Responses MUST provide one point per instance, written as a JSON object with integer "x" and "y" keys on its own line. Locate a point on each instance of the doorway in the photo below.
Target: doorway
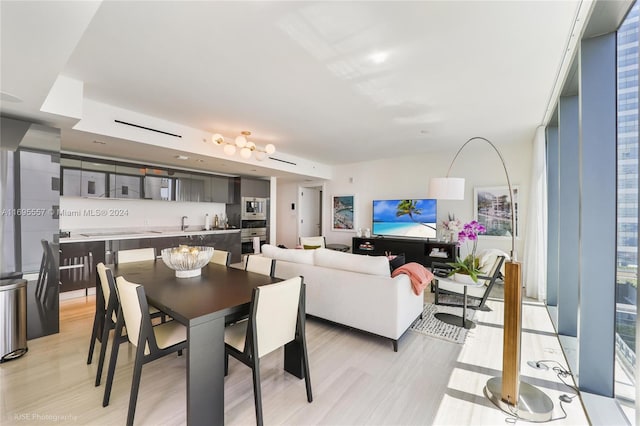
{"x": 310, "y": 211}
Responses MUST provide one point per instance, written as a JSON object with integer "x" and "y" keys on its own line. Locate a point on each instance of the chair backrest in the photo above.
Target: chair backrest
{"x": 135, "y": 255}
{"x": 493, "y": 270}
{"x": 221, "y": 257}
{"x": 260, "y": 264}
{"x": 313, "y": 242}
{"x": 104, "y": 282}
{"x": 109, "y": 293}
{"x": 131, "y": 309}
{"x": 274, "y": 315}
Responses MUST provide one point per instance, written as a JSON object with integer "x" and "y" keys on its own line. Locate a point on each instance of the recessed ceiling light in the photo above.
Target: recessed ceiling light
{"x": 199, "y": 160}
{"x": 182, "y": 157}
{"x": 378, "y": 57}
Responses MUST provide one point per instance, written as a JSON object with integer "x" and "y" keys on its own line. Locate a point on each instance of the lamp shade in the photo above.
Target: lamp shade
{"x": 446, "y": 188}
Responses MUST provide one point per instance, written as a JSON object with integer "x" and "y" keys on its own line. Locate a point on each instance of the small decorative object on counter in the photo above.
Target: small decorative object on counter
{"x": 207, "y": 222}
{"x": 187, "y": 261}
{"x": 216, "y": 222}
{"x": 367, "y": 233}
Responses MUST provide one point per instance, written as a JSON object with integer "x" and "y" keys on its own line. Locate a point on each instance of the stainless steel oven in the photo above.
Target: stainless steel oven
{"x": 247, "y": 234}
{"x": 254, "y": 208}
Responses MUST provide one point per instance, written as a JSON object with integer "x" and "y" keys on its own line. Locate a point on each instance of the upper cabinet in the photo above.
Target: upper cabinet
{"x": 88, "y": 177}
{"x": 255, "y": 188}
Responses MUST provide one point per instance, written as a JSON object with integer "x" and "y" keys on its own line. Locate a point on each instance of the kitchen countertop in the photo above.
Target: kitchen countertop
{"x": 129, "y": 234}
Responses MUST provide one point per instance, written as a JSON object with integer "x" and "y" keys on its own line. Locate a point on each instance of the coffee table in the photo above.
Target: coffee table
{"x": 455, "y": 319}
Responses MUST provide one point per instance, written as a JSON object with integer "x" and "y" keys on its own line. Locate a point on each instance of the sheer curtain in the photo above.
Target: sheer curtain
{"x": 535, "y": 250}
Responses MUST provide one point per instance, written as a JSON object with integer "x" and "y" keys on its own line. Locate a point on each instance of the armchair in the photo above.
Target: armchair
{"x": 490, "y": 264}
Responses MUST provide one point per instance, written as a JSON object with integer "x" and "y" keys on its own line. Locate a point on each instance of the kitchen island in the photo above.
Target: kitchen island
{"x": 81, "y": 250}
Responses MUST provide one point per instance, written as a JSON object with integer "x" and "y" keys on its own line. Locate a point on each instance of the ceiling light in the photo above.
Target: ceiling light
{"x": 182, "y": 157}
{"x": 245, "y": 146}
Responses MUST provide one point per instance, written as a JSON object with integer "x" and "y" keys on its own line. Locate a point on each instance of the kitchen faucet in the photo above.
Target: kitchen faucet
{"x": 184, "y": 226}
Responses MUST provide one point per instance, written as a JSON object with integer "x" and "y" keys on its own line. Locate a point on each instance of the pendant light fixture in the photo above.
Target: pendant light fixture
{"x": 245, "y": 146}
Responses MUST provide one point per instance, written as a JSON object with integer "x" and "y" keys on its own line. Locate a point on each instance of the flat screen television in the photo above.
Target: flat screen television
{"x": 405, "y": 218}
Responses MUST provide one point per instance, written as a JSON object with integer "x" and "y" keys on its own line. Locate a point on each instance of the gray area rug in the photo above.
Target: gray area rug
{"x": 433, "y": 327}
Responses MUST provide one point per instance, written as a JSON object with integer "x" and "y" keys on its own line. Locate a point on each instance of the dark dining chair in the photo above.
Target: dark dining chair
{"x": 277, "y": 317}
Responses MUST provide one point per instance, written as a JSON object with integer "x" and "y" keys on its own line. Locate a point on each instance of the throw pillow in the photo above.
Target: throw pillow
{"x": 395, "y": 261}
{"x": 310, "y": 247}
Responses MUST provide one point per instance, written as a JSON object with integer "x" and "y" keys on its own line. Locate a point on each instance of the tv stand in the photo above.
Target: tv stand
{"x": 423, "y": 251}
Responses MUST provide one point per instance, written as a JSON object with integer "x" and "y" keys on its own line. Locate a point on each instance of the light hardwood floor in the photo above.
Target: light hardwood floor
{"x": 356, "y": 378}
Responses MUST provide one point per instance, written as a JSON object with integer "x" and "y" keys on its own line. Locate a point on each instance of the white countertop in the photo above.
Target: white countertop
{"x": 130, "y": 234}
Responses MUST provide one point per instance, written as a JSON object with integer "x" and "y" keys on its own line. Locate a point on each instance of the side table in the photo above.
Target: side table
{"x": 455, "y": 319}
{"x": 338, "y": 247}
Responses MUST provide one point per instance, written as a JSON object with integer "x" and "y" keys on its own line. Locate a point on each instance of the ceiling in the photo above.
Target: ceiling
{"x": 336, "y": 82}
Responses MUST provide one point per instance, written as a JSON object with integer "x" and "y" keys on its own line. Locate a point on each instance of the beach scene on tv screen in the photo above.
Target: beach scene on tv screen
{"x": 405, "y": 218}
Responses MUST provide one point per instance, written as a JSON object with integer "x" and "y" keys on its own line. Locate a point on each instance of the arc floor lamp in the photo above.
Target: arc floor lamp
{"x": 508, "y": 392}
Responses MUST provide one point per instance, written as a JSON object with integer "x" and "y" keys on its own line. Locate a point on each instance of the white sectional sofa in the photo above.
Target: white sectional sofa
{"x": 351, "y": 289}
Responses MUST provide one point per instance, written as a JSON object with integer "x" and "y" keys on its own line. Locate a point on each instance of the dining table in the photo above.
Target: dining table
{"x": 201, "y": 303}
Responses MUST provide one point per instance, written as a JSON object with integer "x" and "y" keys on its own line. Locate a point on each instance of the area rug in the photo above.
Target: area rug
{"x": 433, "y": 327}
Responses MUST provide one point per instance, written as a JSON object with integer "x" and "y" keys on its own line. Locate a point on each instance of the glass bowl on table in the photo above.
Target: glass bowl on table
{"x": 186, "y": 260}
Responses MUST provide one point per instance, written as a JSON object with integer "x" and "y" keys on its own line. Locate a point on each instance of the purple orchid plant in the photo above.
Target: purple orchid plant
{"x": 470, "y": 264}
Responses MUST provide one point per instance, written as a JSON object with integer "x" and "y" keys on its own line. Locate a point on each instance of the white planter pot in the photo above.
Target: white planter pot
{"x": 463, "y": 278}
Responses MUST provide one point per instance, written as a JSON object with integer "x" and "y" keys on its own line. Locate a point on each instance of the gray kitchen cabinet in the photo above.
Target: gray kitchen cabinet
{"x": 78, "y": 264}
{"x": 255, "y": 188}
{"x": 222, "y": 190}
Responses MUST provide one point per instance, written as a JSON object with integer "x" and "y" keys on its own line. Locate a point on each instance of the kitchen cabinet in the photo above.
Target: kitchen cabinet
{"x": 78, "y": 264}
{"x": 126, "y": 182}
{"x": 255, "y": 188}
{"x": 228, "y": 241}
{"x": 222, "y": 190}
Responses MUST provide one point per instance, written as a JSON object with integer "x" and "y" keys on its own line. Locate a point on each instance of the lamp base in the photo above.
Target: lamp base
{"x": 533, "y": 404}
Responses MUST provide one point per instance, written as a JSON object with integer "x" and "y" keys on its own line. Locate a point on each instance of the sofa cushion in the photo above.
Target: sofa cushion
{"x": 288, "y": 255}
{"x": 371, "y": 265}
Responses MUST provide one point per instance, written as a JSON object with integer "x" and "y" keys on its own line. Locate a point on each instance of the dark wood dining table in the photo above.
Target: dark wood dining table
{"x": 201, "y": 303}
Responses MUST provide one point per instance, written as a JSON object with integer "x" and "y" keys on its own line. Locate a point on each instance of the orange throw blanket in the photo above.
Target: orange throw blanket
{"x": 419, "y": 275}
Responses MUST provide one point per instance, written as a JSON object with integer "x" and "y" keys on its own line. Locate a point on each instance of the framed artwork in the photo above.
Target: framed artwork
{"x": 492, "y": 208}
{"x": 342, "y": 213}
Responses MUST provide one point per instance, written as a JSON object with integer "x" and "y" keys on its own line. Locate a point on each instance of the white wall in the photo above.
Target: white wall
{"x": 77, "y": 213}
{"x": 408, "y": 177}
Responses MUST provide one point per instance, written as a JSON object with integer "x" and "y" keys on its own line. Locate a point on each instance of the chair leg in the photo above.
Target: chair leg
{"x": 112, "y": 360}
{"x": 305, "y": 365}
{"x": 256, "y": 390}
{"x": 94, "y": 336}
{"x": 135, "y": 385}
{"x": 103, "y": 350}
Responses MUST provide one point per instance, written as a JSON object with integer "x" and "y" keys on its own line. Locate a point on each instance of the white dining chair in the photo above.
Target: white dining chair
{"x": 277, "y": 317}
{"x": 151, "y": 342}
{"x": 135, "y": 255}
{"x": 105, "y": 318}
{"x": 313, "y": 242}
{"x": 221, "y": 257}
{"x": 260, "y": 264}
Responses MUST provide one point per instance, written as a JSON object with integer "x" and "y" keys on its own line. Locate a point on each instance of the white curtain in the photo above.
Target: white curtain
{"x": 535, "y": 250}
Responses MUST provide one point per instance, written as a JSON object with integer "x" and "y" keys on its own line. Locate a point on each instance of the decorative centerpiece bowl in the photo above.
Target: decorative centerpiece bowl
{"x": 187, "y": 261}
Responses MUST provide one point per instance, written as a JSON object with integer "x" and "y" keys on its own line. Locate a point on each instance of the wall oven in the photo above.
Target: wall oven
{"x": 254, "y": 208}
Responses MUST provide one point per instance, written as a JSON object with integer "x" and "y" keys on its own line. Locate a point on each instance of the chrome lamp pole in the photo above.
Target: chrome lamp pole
{"x": 507, "y": 392}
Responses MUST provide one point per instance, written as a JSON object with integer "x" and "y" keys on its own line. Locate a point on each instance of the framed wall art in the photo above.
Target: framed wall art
{"x": 343, "y": 213}
{"x": 492, "y": 208}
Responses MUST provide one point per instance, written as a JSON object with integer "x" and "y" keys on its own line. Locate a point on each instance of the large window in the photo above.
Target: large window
{"x": 627, "y": 237}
